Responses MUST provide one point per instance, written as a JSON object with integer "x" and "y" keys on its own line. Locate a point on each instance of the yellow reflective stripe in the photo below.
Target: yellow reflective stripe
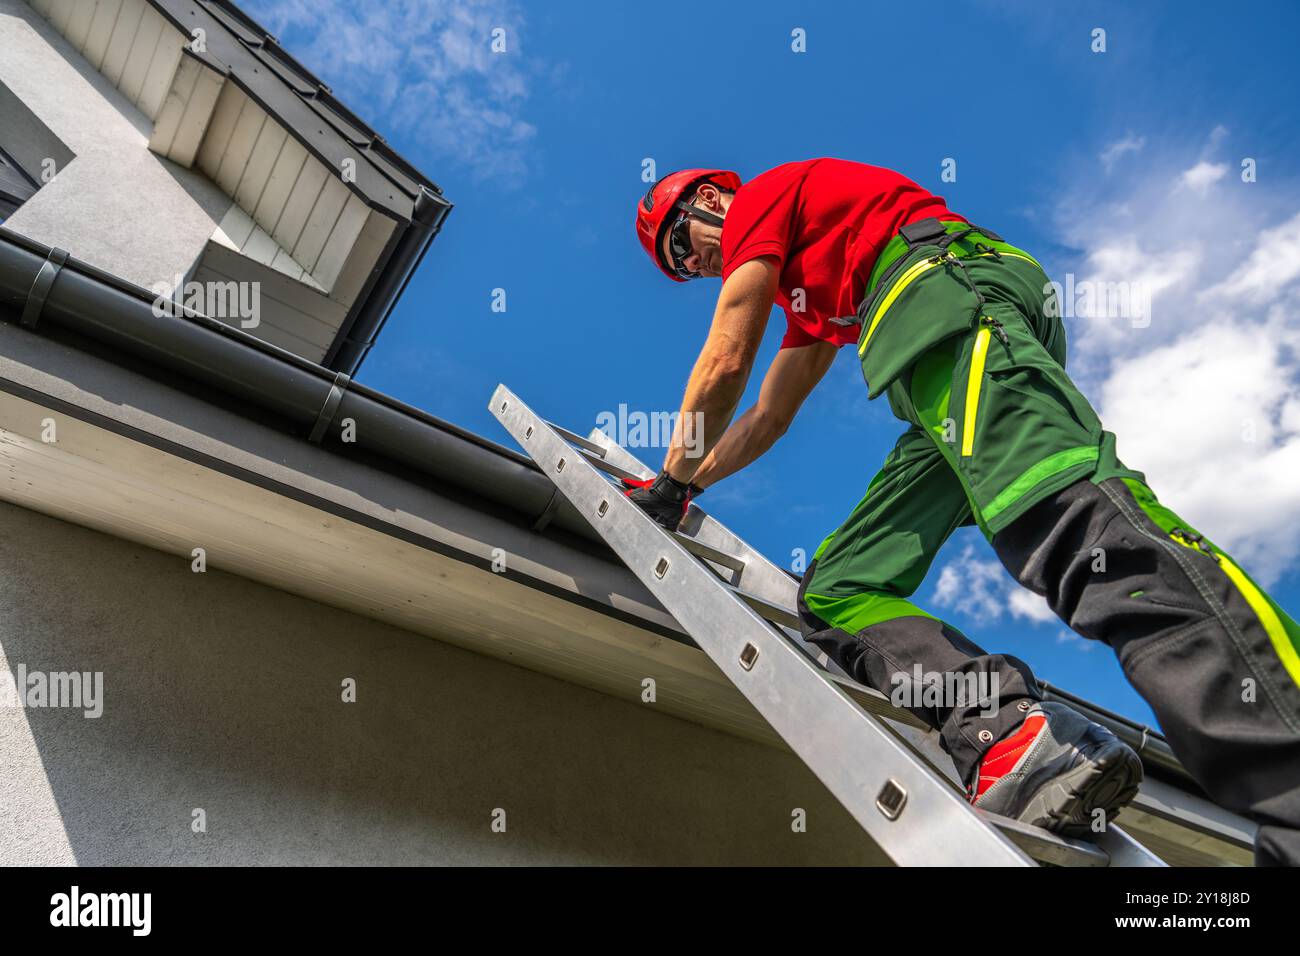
{"x": 915, "y": 270}
{"x": 973, "y": 383}
{"x": 1267, "y": 616}
{"x": 1273, "y": 626}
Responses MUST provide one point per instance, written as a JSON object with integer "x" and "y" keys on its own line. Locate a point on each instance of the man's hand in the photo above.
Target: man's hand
{"x": 662, "y": 497}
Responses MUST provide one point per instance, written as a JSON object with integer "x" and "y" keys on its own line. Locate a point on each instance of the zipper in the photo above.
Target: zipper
{"x": 1273, "y": 626}
{"x": 906, "y": 279}
{"x": 975, "y": 380}
{"x": 915, "y": 271}
{"x": 1013, "y": 255}
{"x": 1193, "y": 540}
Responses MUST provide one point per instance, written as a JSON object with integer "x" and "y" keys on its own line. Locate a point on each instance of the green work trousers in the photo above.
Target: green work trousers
{"x": 968, "y": 347}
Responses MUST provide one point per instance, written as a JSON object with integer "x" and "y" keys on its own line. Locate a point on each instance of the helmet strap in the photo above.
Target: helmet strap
{"x": 703, "y": 215}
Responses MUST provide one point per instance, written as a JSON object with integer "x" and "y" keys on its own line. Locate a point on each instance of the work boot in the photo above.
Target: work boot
{"x": 1055, "y": 769}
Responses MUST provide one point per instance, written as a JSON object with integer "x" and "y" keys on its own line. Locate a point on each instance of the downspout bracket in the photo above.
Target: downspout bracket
{"x": 548, "y": 512}
{"x": 41, "y": 286}
{"x": 330, "y": 407}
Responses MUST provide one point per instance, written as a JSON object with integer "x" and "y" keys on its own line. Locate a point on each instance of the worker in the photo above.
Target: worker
{"x": 960, "y": 331}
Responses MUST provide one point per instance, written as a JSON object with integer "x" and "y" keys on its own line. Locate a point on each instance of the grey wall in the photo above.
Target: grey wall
{"x": 26, "y": 139}
{"x": 96, "y": 205}
{"x": 224, "y": 694}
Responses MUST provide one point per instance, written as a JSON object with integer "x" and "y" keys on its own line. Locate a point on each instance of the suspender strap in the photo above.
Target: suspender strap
{"x": 929, "y": 231}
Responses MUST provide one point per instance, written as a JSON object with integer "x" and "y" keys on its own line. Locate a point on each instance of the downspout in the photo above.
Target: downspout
{"x": 358, "y": 334}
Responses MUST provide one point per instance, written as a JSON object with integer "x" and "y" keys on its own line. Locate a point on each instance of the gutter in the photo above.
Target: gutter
{"x": 46, "y": 287}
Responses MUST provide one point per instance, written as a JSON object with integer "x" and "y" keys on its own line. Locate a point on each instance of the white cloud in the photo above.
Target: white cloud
{"x": 1270, "y": 268}
{"x": 1213, "y": 419}
{"x": 982, "y": 591}
{"x": 972, "y": 587}
{"x": 1205, "y": 399}
{"x": 1070, "y": 639}
{"x": 424, "y": 66}
{"x": 1118, "y": 149}
{"x": 1028, "y": 605}
{"x": 1142, "y": 275}
{"x": 1202, "y": 176}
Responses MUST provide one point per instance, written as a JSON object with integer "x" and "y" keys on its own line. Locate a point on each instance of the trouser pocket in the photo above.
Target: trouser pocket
{"x": 929, "y": 300}
{"x": 1018, "y": 427}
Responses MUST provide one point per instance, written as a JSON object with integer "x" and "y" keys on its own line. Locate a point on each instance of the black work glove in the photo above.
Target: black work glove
{"x": 662, "y": 497}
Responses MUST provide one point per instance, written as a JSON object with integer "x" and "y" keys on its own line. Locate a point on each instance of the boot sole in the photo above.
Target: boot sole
{"x": 1107, "y": 781}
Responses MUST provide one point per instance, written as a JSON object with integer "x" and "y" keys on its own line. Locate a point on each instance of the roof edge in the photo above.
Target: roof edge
{"x": 255, "y": 62}
{"x": 47, "y": 286}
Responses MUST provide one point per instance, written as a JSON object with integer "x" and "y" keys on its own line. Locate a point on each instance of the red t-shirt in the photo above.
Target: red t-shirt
{"x": 826, "y": 221}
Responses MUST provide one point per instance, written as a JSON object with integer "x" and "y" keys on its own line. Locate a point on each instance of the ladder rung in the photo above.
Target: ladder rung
{"x": 1048, "y": 847}
{"x": 606, "y": 467}
{"x": 578, "y": 440}
{"x": 1124, "y": 850}
{"x": 695, "y": 546}
{"x": 766, "y": 609}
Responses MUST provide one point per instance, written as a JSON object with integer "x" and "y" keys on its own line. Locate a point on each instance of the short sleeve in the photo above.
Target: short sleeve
{"x": 796, "y": 336}
{"x": 761, "y": 219}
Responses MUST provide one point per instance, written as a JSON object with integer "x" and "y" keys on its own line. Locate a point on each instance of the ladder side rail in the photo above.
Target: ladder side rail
{"x": 772, "y": 586}
{"x": 910, "y": 812}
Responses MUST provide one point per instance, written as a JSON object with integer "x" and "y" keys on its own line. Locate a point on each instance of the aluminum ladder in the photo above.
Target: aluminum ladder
{"x": 886, "y": 769}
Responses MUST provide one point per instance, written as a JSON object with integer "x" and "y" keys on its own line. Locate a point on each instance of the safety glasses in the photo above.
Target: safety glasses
{"x": 679, "y": 244}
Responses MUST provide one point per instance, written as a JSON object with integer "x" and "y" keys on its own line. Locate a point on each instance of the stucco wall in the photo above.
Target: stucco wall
{"x": 224, "y": 695}
{"x": 115, "y": 204}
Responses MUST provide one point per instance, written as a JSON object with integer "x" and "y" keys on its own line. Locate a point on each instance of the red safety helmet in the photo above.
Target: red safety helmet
{"x": 666, "y": 199}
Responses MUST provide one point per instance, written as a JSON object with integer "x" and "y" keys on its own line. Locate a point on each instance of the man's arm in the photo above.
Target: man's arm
{"x": 792, "y": 376}
{"x": 721, "y": 372}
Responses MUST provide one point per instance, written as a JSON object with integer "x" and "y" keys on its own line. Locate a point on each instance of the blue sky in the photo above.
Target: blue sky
{"x": 1123, "y": 165}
